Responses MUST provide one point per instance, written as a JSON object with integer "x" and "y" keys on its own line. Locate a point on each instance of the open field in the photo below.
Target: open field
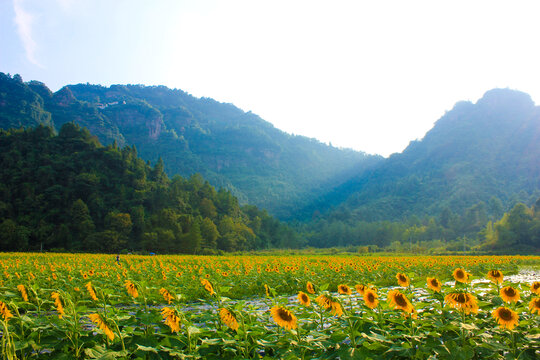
{"x": 90, "y": 306}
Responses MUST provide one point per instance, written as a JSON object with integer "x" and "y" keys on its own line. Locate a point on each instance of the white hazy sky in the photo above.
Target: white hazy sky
{"x": 368, "y": 75}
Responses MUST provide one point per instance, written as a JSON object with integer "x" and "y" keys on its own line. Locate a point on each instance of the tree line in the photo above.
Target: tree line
{"x": 67, "y": 192}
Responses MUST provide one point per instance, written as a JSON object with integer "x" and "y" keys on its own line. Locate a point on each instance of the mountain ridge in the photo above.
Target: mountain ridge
{"x": 231, "y": 148}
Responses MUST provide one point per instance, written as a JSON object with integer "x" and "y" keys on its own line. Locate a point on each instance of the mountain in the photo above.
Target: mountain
{"x": 68, "y": 192}
{"x": 474, "y": 153}
{"x": 229, "y": 147}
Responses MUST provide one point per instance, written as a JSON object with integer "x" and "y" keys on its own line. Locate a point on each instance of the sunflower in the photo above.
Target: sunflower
{"x": 102, "y": 324}
{"x": 228, "y": 318}
{"x": 370, "y": 298}
{"x": 434, "y": 284}
{"x": 509, "y": 294}
{"x": 360, "y": 289}
{"x": 172, "y": 320}
{"x": 344, "y": 289}
{"x": 23, "y": 292}
{"x": 310, "y": 288}
{"x": 304, "y": 299}
{"x": 462, "y": 301}
{"x": 283, "y": 317}
{"x": 4, "y": 311}
{"x": 507, "y": 318}
{"x": 399, "y": 301}
{"x": 413, "y": 314}
{"x": 496, "y": 276}
{"x": 208, "y": 286}
{"x": 91, "y": 291}
{"x": 58, "y": 304}
{"x": 535, "y": 287}
{"x": 131, "y": 289}
{"x": 266, "y": 290}
{"x": 328, "y": 303}
{"x": 166, "y": 295}
{"x": 403, "y": 280}
{"x": 534, "y": 305}
{"x": 461, "y": 275}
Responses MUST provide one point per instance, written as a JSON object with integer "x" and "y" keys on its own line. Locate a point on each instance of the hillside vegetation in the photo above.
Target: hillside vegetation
{"x": 230, "y": 148}
{"x": 68, "y": 192}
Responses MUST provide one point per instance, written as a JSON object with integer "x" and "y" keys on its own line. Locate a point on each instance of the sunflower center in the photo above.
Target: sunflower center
{"x": 505, "y": 314}
{"x": 510, "y": 292}
{"x": 402, "y": 278}
{"x": 304, "y": 298}
{"x": 461, "y": 298}
{"x": 434, "y": 282}
{"x": 460, "y": 274}
{"x": 370, "y": 297}
{"x": 284, "y": 314}
{"x": 400, "y": 300}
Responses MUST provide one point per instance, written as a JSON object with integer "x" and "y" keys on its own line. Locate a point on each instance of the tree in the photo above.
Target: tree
{"x": 209, "y": 233}
{"x": 81, "y": 222}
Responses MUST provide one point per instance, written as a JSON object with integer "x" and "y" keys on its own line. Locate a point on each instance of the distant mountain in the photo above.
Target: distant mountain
{"x": 231, "y": 148}
{"x": 474, "y": 154}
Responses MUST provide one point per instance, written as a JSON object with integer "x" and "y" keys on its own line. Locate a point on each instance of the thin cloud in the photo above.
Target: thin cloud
{"x": 24, "y": 20}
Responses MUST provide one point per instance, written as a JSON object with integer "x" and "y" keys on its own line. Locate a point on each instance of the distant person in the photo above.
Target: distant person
{"x": 118, "y": 259}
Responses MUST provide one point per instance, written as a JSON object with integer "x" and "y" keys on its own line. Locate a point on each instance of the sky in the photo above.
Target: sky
{"x": 366, "y": 75}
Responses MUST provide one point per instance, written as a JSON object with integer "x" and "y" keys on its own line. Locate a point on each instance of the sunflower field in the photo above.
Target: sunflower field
{"x": 82, "y": 306}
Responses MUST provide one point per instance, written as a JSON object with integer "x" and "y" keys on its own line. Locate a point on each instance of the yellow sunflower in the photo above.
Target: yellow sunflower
{"x": 413, "y": 314}
{"x": 208, "y": 286}
{"x": 461, "y": 275}
{"x": 535, "y": 287}
{"x": 172, "y": 320}
{"x": 370, "y": 298}
{"x": 228, "y": 319}
{"x": 310, "y": 288}
{"x": 166, "y": 295}
{"x": 344, "y": 289}
{"x": 399, "y": 301}
{"x": 4, "y": 311}
{"x": 102, "y": 325}
{"x": 360, "y": 289}
{"x": 266, "y": 290}
{"x": 91, "y": 291}
{"x": 507, "y": 318}
{"x": 496, "y": 276}
{"x": 131, "y": 288}
{"x": 23, "y": 292}
{"x": 58, "y": 304}
{"x": 509, "y": 294}
{"x": 534, "y": 305}
{"x": 403, "y": 280}
{"x": 434, "y": 284}
{"x": 462, "y": 301}
{"x": 283, "y": 317}
{"x": 304, "y": 299}
{"x": 328, "y": 303}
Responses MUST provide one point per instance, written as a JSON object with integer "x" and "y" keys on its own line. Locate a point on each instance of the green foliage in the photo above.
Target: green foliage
{"x": 230, "y": 148}
{"x": 70, "y": 192}
{"x": 517, "y": 229}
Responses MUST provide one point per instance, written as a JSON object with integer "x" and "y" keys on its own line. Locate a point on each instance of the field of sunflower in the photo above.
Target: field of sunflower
{"x": 311, "y": 307}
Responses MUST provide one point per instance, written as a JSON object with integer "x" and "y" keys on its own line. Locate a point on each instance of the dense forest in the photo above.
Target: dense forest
{"x": 68, "y": 192}
{"x": 230, "y": 148}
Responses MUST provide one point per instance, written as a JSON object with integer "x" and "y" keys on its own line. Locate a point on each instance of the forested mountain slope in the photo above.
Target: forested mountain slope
{"x": 68, "y": 192}
{"x": 474, "y": 153}
{"x": 231, "y": 148}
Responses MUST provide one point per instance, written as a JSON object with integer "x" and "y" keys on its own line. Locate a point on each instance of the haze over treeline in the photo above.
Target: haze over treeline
{"x": 471, "y": 183}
